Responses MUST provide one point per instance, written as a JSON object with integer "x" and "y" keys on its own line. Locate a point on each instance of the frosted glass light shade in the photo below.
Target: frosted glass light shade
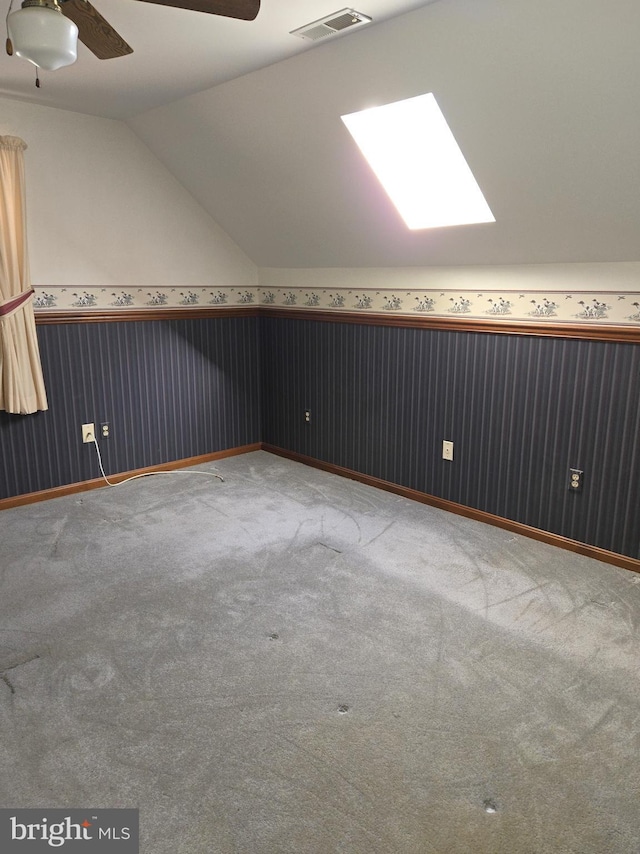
{"x": 43, "y": 36}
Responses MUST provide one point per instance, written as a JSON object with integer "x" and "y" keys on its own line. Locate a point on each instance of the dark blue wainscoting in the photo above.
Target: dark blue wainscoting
{"x": 521, "y": 410}
{"x": 170, "y": 389}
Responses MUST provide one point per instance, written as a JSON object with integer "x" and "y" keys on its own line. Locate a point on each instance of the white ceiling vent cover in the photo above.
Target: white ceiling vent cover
{"x": 330, "y": 25}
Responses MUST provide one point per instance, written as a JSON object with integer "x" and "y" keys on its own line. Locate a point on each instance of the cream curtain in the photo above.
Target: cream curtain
{"x": 21, "y": 382}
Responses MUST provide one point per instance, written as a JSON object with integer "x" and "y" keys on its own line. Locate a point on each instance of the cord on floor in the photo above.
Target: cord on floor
{"x": 147, "y": 473}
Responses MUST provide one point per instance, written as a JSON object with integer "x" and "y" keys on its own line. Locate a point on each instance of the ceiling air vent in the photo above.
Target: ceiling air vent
{"x": 330, "y": 25}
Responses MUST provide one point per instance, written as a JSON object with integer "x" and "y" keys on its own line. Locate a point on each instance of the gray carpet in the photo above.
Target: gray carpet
{"x": 293, "y": 663}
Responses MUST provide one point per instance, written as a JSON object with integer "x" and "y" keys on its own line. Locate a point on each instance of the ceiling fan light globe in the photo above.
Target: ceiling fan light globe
{"x": 43, "y": 36}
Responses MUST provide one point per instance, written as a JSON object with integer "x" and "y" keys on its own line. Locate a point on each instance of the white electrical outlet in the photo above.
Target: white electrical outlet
{"x": 447, "y": 450}
{"x": 88, "y": 433}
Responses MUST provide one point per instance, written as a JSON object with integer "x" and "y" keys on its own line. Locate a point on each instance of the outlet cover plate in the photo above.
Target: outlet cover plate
{"x": 576, "y": 480}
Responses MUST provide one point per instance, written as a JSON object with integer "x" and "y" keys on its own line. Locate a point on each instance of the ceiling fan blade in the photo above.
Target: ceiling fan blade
{"x": 245, "y": 10}
{"x": 94, "y": 31}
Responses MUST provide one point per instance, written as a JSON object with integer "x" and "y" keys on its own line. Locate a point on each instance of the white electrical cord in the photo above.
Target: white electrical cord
{"x": 147, "y": 473}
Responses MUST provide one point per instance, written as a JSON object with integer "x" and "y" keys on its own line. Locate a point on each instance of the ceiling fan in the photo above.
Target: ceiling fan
{"x": 45, "y": 32}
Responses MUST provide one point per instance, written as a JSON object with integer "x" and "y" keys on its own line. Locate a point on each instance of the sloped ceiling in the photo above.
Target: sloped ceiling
{"x": 543, "y": 98}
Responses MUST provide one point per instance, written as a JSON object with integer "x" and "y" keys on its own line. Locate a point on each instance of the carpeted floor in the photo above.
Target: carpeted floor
{"x": 287, "y": 662}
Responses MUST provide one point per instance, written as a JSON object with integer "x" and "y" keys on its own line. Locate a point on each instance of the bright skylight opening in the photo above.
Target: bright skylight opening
{"x": 411, "y": 149}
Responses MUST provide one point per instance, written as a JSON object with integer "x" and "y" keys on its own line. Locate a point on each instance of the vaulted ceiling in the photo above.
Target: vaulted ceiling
{"x": 543, "y": 98}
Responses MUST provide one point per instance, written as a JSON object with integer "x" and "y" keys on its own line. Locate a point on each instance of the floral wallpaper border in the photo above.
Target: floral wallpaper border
{"x": 553, "y": 306}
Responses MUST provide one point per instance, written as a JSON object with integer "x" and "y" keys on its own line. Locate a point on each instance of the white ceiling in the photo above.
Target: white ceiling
{"x": 542, "y": 96}
{"x": 175, "y": 52}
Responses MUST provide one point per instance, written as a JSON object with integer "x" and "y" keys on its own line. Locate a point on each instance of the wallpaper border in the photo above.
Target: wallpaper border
{"x": 548, "y": 306}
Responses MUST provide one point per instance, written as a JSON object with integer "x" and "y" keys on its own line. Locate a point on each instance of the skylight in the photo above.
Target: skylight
{"x": 411, "y": 149}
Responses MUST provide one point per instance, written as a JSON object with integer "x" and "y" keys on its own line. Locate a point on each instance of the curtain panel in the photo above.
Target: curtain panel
{"x": 22, "y": 388}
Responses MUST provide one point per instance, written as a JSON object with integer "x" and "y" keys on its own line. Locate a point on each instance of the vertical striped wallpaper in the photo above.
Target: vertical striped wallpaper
{"x": 170, "y": 389}
{"x": 521, "y": 411}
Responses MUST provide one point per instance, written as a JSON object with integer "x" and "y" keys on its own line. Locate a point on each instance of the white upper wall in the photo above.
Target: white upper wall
{"x": 620, "y": 277}
{"x": 103, "y": 210}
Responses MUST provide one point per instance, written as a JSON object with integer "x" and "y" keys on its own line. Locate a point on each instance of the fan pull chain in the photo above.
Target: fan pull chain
{"x": 8, "y": 44}
{"x": 37, "y": 78}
